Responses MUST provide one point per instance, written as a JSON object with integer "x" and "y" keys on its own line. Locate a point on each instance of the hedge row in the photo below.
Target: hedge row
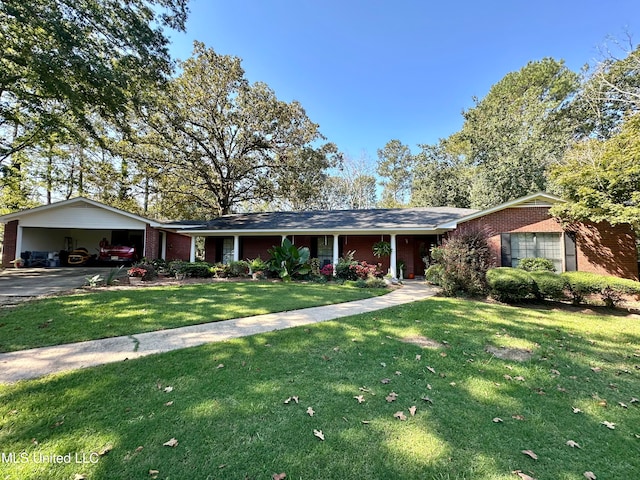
{"x": 511, "y": 285}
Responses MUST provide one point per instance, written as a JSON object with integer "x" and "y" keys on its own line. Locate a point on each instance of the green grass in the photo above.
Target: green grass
{"x": 230, "y": 419}
{"x": 111, "y": 313}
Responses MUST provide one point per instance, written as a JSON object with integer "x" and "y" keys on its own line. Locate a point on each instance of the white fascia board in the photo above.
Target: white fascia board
{"x": 312, "y": 231}
{"x": 547, "y": 200}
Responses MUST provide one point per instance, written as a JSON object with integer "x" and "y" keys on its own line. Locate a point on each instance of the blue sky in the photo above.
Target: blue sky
{"x": 372, "y": 71}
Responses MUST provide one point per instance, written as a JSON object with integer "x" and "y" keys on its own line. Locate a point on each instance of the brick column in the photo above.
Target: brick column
{"x": 9, "y": 244}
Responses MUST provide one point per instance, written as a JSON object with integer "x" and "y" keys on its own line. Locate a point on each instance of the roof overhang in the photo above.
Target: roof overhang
{"x": 311, "y": 231}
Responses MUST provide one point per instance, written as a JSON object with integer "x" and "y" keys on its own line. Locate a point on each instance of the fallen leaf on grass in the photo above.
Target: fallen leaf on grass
{"x": 517, "y": 417}
{"x": 168, "y": 390}
{"x": 140, "y": 448}
{"x": 418, "y": 357}
{"x": 220, "y": 366}
{"x": 431, "y": 369}
{"x": 589, "y": 475}
{"x": 391, "y": 397}
{"x": 171, "y": 443}
{"x": 400, "y": 416}
{"x": 412, "y": 410}
{"x": 623, "y": 405}
{"x": 576, "y": 410}
{"x": 634, "y": 400}
{"x": 154, "y": 472}
{"x": 573, "y": 444}
{"x": 427, "y": 399}
{"x": 294, "y": 398}
{"x": 365, "y": 422}
{"x": 398, "y": 372}
{"x": 106, "y": 449}
{"x": 319, "y": 434}
{"x": 279, "y": 476}
{"x": 609, "y": 425}
{"x": 555, "y": 372}
{"x": 522, "y": 475}
{"x": 168, "y": 404}
{"x": 497, "y": 420}
{"x": 519, "y": 378}
{"x": 530, "y": 453}
{"x": 79, "y": 476}
{"x": 310, "y": 411}
{"x": 360, "y": 398}
{"x": 596, "y": 369}
{"x": 385, "y": 381}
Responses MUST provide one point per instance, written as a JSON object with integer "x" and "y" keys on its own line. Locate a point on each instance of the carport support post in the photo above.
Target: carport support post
{"x": 18, "y": 243}
{"x": 394, "y": 256}
{"x": 192, "y": 252}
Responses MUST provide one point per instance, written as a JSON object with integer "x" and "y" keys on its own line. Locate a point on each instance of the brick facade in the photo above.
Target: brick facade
{"x": 9, "y": 253}
{"x": 152, "y": 243}
{"x": 600, "y": 248}
{"x": 178, "y": 247}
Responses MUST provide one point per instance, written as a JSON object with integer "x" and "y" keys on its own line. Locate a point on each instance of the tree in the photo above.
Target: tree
{"x": 601, "y": 178}
{"x": 228, "y": 142}
{"x": 518, "y": 130}
{"x": 394, "y": 165}
{"x": 63, "y": 61}
{"x": 352, "y": 188}
{"x": 442, "y": 176}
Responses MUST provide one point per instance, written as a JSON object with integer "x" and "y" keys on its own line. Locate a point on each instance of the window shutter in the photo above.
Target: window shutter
{"x": 570, "y": 258}
{"x": 505, "y": 249}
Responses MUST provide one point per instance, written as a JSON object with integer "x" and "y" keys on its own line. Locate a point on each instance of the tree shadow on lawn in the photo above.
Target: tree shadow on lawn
{"x": 229, "y": 416}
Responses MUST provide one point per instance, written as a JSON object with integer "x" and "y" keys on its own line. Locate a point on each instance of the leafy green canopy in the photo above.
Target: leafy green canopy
{"x": 63, "y": 61}
{"x": 601, "y": 178}
{"x": 227, "y": 142}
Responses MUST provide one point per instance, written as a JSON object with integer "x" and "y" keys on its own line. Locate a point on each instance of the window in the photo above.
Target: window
{"x": 325, "y": 250}
{"x": 227, "y": 250}
{"x": 531, "y": 245}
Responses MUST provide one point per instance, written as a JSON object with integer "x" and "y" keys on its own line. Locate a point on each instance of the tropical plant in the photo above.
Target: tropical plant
{"x": 288, "y": 261}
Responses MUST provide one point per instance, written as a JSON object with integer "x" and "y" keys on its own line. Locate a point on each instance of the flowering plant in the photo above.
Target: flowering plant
{"x": 136, "y": 272}
{"x": 327, "y": 270}
{"x": 366, "y": 270}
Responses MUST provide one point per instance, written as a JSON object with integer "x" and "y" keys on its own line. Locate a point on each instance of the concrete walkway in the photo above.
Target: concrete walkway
{"x": 38, "y": 362}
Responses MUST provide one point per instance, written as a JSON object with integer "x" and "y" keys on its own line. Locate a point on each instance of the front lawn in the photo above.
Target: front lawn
{"x": 110, "y": 313}
{"x": 242, "y": 408}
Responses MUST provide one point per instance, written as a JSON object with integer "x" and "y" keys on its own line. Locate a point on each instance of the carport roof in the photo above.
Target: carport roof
{"x": 75, "y": 201}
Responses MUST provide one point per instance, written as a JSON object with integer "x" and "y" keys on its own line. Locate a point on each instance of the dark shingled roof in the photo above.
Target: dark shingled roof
{"x": 383, "y": 219}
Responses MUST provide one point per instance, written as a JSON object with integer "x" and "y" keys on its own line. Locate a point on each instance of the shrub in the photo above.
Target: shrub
{"x": 258, "y": 265}
{"x": 365, "y": 270}
{"x": 537, "y": 264}
{"x": 548, "y": 285}
{"x": 433, "y": 274}
{"x": 610, "y": 289}
{"x": 327, "y": 271}
{"x": 238, "y": 268}
{"x": 510, "y": 285}
{"x": 150, "y": 270}
{"x": 465, "y": 258}
{"x": 343, "y": 268}
{"x": 220, "y": 270}
{"x": 196, "y": 269}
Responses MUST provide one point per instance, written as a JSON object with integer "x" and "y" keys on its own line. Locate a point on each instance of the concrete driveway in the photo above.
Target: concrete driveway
{"x": 34, "y": 282}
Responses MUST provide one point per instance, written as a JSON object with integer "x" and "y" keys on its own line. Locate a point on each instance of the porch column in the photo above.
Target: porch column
{"x": 163, "y": 251}
{"x": 236, "y": 248}
{"x": 394, "y": 257}
{"x": 192, "y": 253}
{"x": 336, "y": 252}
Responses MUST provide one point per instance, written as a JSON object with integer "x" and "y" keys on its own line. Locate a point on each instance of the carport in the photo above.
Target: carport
{"x": 43, "y": 235}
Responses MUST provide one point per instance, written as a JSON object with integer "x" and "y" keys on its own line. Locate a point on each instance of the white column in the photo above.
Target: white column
{"x": 18, "y": 243}
{"x": 394, "y": 257}
{"x": 236, "y": 248}
{"x": 192, "y": 253}
{"x": 163, "y": 251}
{"x": 336, "y": 252}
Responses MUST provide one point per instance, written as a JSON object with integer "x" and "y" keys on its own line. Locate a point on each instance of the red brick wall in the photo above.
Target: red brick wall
{"x": 363, "y": 245}
{"x": 152, "y": 243}
{"x": 9, "y": 244}
{"x": 607, "y": 250}
{"x": 178, "y": 247}
{"x": 253, "y": 247}
{"x": 600, "y": 248}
